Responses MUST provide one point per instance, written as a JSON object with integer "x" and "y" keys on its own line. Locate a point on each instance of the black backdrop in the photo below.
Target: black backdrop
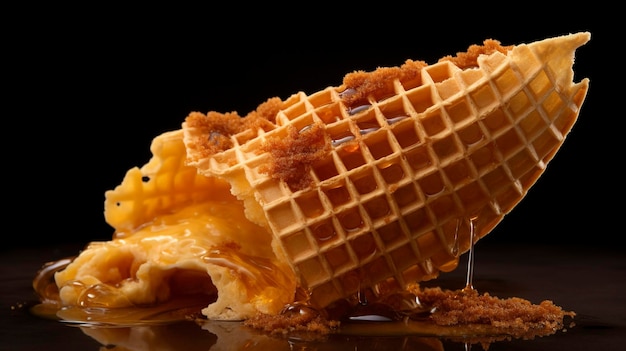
{"x": 87, "y": 96}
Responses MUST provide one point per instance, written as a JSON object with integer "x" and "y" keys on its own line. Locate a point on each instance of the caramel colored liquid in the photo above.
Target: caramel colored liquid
{"x": 93, "y": 309}
{"x": 257, "y": 273}
{"x": 380, "y": 310}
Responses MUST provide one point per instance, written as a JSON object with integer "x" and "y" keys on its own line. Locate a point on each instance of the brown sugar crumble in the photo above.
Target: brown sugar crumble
{"x": 362, "y": 84}
{"x": 469, "y": 58}
{"x": 467, "y": 306}
{"x": 290, "y": 323}
{"x": 481, "y": 317}
{"x": 293, "y": 156}
{"x": 217, "y": 128}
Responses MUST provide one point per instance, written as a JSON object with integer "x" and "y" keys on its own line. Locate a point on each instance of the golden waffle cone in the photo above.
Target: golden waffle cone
{"x": 412, "y": 176}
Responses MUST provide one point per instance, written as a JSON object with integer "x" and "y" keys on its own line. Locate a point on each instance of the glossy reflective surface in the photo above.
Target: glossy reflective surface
{"x": 589, "y": 281}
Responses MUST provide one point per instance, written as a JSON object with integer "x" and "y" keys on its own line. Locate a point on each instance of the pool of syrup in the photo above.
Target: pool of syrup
{"x": 394, "y": 315}
{"x": 164, "y": 327}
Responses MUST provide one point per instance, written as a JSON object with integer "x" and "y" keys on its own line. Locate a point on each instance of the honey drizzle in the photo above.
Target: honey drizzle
{"x": 95, "y": 301}
{"x": 370, "y": 303}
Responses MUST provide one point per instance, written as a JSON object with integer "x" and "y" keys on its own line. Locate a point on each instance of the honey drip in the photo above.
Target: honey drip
{"x": 469, "y": 282}
{"x": 455, "y": 249}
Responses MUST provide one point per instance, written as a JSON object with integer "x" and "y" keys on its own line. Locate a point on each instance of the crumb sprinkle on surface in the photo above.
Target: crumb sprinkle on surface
{"x": 454, "y": 307}
{"x": 453, "y": 313}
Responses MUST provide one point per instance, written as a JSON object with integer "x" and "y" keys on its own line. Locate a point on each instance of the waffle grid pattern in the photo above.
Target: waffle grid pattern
{"x": 409, "y": 174}
{"x": 165, "y": 182}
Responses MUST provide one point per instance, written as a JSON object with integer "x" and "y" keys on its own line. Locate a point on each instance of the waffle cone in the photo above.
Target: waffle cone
{"x": 415, "y": 173}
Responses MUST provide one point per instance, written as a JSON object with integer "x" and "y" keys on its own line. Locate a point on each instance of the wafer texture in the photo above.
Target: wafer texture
{"x": 415, "y": 173}
{"x": 163, "y": 185}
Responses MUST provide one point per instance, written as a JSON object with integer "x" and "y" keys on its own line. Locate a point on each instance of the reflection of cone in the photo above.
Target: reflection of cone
{"x": 152, "y": 337}
{"x": 234, "y": 336}
{"x": 409, "y": 174}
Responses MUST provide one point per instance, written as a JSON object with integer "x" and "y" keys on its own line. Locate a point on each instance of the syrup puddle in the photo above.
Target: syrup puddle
{"x": 167, "y": 313}
{"x": 367, "y": 314}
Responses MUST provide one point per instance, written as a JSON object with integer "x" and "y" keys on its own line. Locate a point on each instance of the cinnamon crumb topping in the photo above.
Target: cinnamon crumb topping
{"x": 294, "y": 155}
{"x": 469, "y": 58}
{"x": 366, "y": 83}
{"x": 219, "y": 127}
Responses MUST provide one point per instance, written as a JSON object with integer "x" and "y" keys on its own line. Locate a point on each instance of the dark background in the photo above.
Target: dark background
{"x": 87, "y": 88}
{"x": 88, "y": 92}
